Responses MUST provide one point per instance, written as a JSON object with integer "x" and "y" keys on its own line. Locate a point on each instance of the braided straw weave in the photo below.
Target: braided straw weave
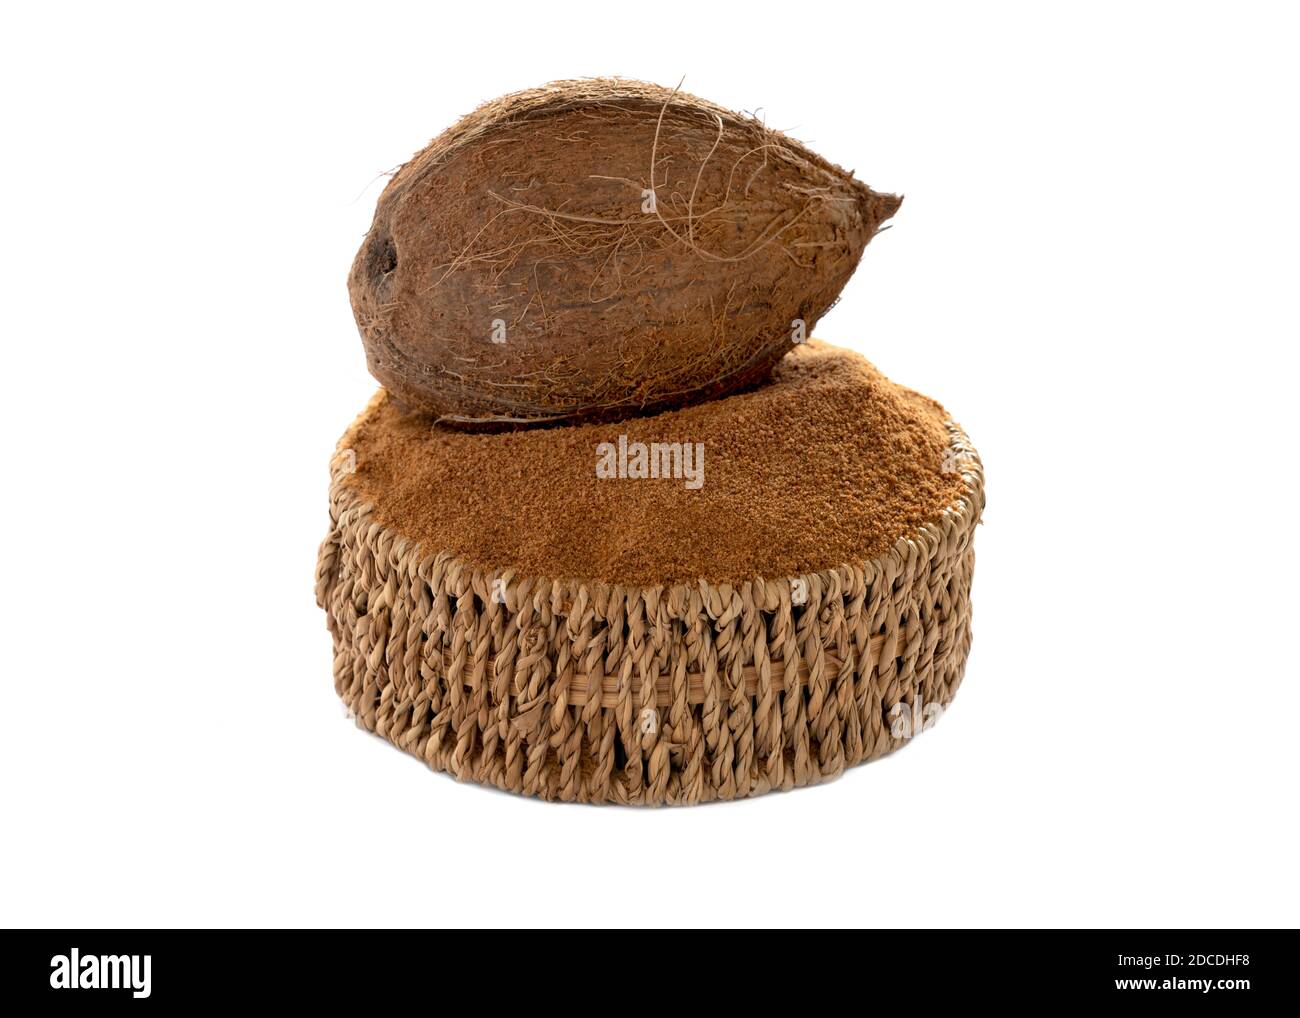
{"x": 592, "y": 692}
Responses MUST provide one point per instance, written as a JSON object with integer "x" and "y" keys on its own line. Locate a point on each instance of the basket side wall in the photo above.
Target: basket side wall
{"x": 678, "y": 695}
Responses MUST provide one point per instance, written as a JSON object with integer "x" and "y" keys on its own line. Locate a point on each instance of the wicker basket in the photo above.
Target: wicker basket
{"x": 646, "y": 695}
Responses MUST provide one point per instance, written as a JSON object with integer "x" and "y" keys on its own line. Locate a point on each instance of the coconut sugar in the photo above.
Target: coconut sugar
{"x": 828, "y": 463}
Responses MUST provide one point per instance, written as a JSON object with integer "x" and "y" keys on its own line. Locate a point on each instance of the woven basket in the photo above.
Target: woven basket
{"x": 680, "y": 694}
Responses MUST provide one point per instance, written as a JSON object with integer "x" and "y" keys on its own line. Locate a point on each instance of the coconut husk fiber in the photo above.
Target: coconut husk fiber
{"x": 821, "y": 620}
{"x": 600, "y": 248}
{"x": 829, "y": 463}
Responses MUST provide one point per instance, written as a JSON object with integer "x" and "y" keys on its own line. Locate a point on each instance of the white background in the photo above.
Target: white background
{"x": 1095, "y": 270}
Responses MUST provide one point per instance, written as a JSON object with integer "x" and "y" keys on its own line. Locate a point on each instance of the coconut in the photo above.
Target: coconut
{"x": 600, "y": 248}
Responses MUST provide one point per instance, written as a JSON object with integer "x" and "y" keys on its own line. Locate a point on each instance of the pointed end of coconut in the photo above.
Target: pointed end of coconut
{"x": 876, "y": 207}
{"x": 879, "y": 208}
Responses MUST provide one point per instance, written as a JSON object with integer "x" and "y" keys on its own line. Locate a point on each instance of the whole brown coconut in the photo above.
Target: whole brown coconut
{"x": 595, "y": 249}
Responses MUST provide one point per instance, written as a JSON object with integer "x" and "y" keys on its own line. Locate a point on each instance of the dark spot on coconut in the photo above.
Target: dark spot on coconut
{"x": 381, "y": 258}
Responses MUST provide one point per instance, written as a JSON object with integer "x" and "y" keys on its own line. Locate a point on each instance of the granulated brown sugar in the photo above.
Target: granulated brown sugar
{"x": 829, "y": 463}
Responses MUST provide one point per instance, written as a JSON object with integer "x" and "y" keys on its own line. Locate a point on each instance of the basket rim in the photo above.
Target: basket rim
{"x": 958, "y": 518}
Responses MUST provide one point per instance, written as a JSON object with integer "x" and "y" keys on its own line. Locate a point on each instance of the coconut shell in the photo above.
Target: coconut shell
{"x": 601, "y": 248}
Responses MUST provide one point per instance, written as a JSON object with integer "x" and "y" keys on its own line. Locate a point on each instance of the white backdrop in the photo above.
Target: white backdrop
{"x": 1095, "y": 270}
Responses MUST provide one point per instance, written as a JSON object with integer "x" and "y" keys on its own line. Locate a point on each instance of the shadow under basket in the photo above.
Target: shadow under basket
{"x": 632, "y": 694}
